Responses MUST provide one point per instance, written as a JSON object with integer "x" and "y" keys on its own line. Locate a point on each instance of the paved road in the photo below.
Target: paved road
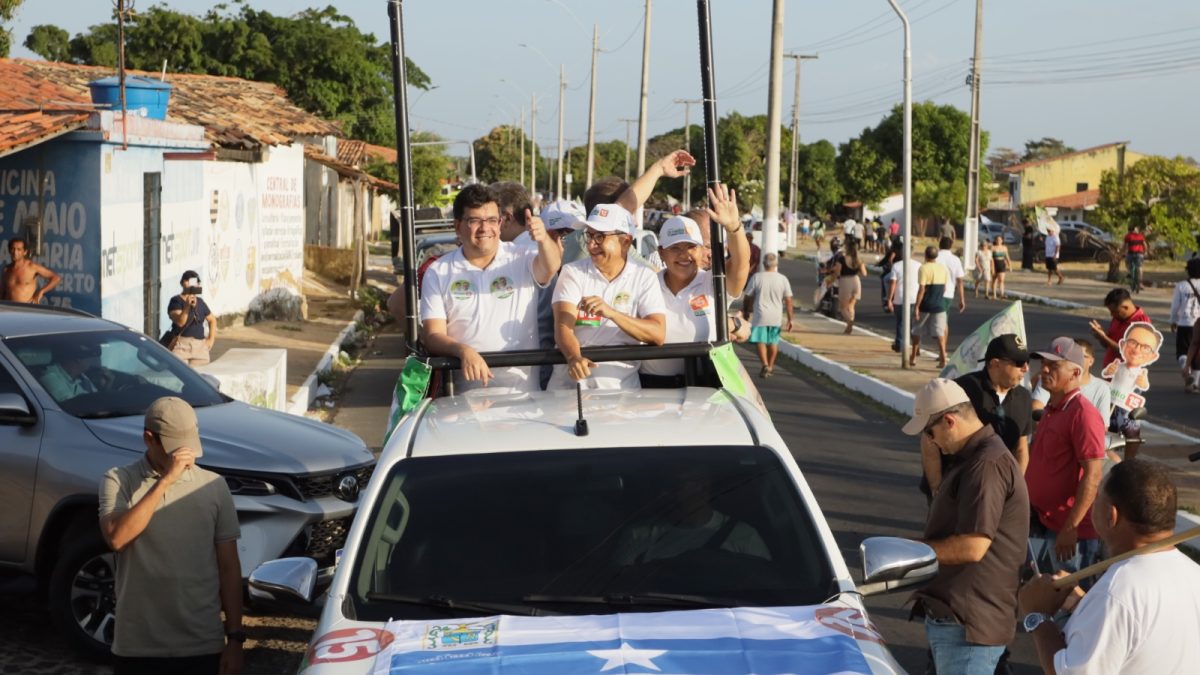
{"x": 1169, "y": 405}
{"x": 864, "y": 473}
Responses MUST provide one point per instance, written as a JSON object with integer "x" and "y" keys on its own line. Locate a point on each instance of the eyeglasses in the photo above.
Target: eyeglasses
{"x": 933, "y": 423}
{"x": 1140, "y": 346}
{"x": 476, "y": 222}
{"x": 594, "y": 237}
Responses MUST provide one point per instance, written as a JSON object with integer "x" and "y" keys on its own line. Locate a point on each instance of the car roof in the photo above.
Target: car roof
{"x": 478, "y": 422}
{"x": 20, "y": 320}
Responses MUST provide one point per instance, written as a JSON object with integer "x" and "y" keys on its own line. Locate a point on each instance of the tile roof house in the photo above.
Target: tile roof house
{"x": 1069, "y": 182}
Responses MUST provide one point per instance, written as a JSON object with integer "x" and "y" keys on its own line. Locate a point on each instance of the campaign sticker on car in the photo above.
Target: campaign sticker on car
{"x": 718, "y": 641}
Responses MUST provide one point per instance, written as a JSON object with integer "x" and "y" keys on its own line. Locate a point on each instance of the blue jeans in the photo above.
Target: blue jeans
{"x": 952, "y": 654}
{"x": 1041, "y": 542}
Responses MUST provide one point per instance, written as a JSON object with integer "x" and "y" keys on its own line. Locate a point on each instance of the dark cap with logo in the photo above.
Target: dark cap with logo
{"x": 1009, "y": 346}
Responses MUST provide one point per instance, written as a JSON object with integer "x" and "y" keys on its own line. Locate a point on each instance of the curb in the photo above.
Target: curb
{"x": 902, "y": 402}
{"x": 302, "y": 399}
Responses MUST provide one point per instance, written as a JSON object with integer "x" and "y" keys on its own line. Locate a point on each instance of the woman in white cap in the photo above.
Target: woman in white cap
{"x": 687, "y": 287}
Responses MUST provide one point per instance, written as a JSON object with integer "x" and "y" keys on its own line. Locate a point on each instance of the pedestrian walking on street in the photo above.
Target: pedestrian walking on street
{"x": 999, "y": 401}
{"x": 1053, "y": 249}
{"x": 1185, "y": 311}
{"x": 769, "y": 294}
{"x": 978, "y": 526}
{"x": 983, "y": 269}
{"x": 1028, "y": 241}
{"x": 1143, "y": 615}
{"x": 174, "y": 529}
{"x": 1001, "y": 263}
{"x": 1066, "y": 461}
{"x": 849, "y": 269}
{"x": 929, "y": 315}
{"x": 906, "y": 274}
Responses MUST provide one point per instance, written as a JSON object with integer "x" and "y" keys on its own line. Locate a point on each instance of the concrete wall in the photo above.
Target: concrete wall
{"x": 332, "y": 263}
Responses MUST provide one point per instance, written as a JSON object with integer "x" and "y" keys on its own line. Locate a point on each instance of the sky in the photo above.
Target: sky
{"x": 1086, "y": 71}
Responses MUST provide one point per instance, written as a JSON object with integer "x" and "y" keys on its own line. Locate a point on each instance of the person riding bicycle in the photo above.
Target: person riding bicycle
{"x": 1134, "y": 248}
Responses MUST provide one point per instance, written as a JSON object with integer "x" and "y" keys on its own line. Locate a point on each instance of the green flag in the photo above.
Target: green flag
{"x": 1011, "y": 319}
{"x": 410, "y": 389}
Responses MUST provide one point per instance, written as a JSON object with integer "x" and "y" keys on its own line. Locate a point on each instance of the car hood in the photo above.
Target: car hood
{"x": 816, "y": 639}
{"x": 235, "y": 435}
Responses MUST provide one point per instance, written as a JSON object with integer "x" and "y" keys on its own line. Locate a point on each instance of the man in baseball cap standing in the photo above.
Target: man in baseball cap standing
{"x": 1065, "y": 464}
{"x": 175, "y": 531}
{"x": 978, "y": 525}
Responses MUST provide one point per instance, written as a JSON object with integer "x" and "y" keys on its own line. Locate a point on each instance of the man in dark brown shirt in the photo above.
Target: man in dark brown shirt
{"x": 978, "y": 525}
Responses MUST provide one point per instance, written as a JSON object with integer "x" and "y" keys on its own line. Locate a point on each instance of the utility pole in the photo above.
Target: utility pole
{"x": 641, "y": 160}
{"x": 770, "y": 225}
{"x": 795, "y": 132}
{"x": 562, "y": 93}
{"x": 971, "y": 221}
{"x": 905, "y": 301}
{"x": 532, "y": 145}
{"x": 522, "y": 127}
{"x": 591, "y": 153}
{"x": 687, "y": 144}
{"x": 627, "y": 122}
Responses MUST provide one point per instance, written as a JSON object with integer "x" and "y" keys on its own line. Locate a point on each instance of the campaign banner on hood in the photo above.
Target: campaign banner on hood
{"x": 763, "y": 640}
{"x": 965, "y": 360}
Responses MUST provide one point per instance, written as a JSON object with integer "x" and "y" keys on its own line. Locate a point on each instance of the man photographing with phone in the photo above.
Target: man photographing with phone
{"x": 189, "y": 313}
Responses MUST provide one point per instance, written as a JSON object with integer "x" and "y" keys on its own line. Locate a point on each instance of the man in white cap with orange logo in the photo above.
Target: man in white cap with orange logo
{"x": 978, "y": 525}
{"x": 605, "y": 300}
{"x": 175, "y": 531}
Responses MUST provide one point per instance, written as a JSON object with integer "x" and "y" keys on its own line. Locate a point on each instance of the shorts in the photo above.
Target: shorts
{"x": 767, "y": 335}
{"x": 930, "y": 325}
{"x": 849, "y": 288}
{"x": 1131, "y": 258}
{"x": 1183, "y": 340}
{"x": 191, "y": 351}
{"x": 1051, "y": 264}
{"x": 1001, "y": 266}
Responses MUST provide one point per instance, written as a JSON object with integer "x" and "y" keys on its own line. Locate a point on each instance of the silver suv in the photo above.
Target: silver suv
{"x": 73, "y": 390}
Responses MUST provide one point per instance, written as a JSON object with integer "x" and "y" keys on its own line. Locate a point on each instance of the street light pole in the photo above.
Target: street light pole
{"x": 641, "y": 159}
{"x": 591, "y": 149}
{"x": 795, "y": 164}
{"x": 770, "y": 225}
{"x": 562, "y": 93}
{"x": 532, "y": 145}
{"x": 687, "y": 144}
{"x": 905, "y": 301}
{"x": 627, "y": 122}
{"x": 971, "y": 221}
{"x": 522, "y": 145}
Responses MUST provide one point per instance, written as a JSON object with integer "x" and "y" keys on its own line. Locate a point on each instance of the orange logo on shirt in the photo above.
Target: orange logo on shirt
{"x": 699, "y": 305}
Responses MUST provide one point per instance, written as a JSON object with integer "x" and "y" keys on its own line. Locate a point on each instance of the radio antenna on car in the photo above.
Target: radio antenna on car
{"x": 581, "y": 428}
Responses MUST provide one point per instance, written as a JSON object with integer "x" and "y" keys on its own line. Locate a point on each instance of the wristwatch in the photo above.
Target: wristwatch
{"x": 1033, "y": 620}
{"x": 238, "y": 636}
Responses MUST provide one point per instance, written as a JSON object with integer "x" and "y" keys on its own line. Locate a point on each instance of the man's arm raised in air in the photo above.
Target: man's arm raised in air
{"x": 673, "y": 165}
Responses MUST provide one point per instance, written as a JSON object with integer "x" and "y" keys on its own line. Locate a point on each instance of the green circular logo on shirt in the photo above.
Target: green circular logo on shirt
{"x": 461, "y": 290}
{"x": 502, "y": 288}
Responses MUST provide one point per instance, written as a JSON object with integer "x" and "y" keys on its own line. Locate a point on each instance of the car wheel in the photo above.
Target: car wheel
{"x": 1104, "y": 256}
{"x": 82, "y": 592}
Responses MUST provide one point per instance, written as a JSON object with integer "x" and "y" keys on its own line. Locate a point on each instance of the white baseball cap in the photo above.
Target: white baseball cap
{"x": 563, "y": 214}
{"x": 936, "y": 397}
{"x": 680, "y": 230}
{"x": 611, "y": 218}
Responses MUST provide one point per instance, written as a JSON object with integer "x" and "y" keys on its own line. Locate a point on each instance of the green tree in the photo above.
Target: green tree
{"x": 431, "y": 166}
{"x": 498, "y": 155}
{"x": 610, "y": 161}
{"x": 817, "y": 188}
{"x": 8, "y": 9}
{"x": 865, "y": 175}
{"x": 1161, "y": 194}
{"x": 1045, "y": 148}
{"x": 49, "y": 42}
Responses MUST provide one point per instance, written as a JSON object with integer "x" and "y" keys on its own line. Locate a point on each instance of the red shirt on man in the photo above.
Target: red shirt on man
{"x": 1135, "y": 242}
{"x": 1069, "y": 434}
{"x": 1116, "y": 332}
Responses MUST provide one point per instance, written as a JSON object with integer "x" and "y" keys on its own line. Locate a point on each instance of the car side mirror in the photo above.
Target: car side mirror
{"x": 892, "y": 563}
{"x": 284, "y": 579}
{"x": 14, "y": 409}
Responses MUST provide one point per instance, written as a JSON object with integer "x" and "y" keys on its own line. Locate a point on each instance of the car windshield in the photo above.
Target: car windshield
{"x": 588, "y": 532}
{"x": 113, "y": 373}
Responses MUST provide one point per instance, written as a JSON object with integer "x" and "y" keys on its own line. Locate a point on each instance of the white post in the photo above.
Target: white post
{"x": 591, "y": 150}
{"x": 971, "y": 221}
{"x": 770, "y": 225}
{"x": 532, "y": 145}
{"x": 562, "y": 93}
{"x": 906, "y": 228}
{"x": 641, "y": 157}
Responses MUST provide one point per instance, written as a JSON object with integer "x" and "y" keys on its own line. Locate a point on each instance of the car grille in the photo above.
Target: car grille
{"x": 320, "y": 541}
{"x": 320, "y": 485}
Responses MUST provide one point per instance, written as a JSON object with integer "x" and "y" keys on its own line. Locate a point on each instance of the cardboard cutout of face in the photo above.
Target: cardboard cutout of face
{"x": 1129, "y": 374}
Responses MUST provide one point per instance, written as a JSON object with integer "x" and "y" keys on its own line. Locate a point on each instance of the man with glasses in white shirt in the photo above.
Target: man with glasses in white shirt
{"x": 483, "y": 296}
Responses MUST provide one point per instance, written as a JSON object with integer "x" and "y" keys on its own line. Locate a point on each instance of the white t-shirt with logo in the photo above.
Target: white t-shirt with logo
{"x": 1142, "y": 616}
{"x": 691, "y": 317}
{"x": 634, "y": 292}
{"x": 492, "y": 309}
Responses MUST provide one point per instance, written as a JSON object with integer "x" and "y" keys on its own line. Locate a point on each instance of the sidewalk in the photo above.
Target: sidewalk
{"x": 865, "y": 363}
